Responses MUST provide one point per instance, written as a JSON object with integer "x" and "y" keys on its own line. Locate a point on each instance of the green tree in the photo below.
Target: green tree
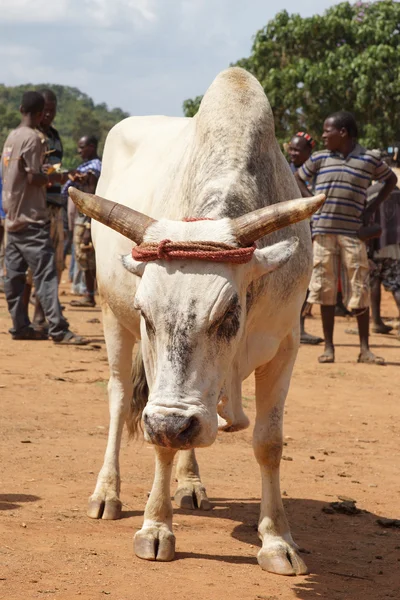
{"x": 77, "y": 115}
{"x": 348, "y": 58}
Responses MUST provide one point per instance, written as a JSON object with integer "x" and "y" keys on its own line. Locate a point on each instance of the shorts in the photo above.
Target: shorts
{"x": 86, "y": 259}
{"x": 387, "y": 272}
{"x": 347, "y": 255}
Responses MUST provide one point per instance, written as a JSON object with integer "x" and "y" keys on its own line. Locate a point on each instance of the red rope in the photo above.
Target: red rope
{"x": 210, "y": 251}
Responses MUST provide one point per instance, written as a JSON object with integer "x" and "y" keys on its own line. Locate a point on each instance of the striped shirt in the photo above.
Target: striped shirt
{"x": 344, "y": 181}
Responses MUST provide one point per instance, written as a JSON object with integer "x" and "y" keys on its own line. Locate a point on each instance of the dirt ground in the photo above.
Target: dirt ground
{"x": 341, "y": 440}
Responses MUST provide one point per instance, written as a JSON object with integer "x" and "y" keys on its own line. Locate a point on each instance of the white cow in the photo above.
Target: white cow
{"x": 204, "y": 325}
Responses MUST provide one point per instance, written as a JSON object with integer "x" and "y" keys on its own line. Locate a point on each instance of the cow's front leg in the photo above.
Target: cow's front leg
{"x": 104, "y": 502}
{"x": 190, "y": 493}
{"x": 155, "y": 541}
{"x": 278, "y": 553}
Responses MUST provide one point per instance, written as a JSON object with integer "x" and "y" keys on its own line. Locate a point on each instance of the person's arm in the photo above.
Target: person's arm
{"x": 305, "y": 192}
{"x": 37, "y": 179}
{"x": 31, "y": 156}
{"x": 306, "y": 173}
{"x": 388, "y": 186}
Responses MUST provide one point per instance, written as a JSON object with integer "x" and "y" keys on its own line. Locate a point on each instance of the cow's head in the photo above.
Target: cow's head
{"x": 193, "y": 312}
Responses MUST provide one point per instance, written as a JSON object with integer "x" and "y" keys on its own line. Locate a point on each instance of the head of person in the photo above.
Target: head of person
{"x": 340, "y": 131}
{"x": 32, "y": 105}
{"x": 87, "y": 147}
{"x": 300, "y": 147}
{"x": 50, "y": 107}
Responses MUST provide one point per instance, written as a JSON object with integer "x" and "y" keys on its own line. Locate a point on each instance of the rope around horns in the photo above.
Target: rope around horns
{"x": 210, "y": 251}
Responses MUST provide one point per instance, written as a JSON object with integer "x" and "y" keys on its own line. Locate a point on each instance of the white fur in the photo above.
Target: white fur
{"x": 156, "y": 165}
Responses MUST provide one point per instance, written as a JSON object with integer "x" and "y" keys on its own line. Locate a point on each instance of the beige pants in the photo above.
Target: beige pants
{"x": 331, "y": 251}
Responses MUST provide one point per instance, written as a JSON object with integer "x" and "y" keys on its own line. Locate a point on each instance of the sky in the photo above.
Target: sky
{"x": 144, "y": 56}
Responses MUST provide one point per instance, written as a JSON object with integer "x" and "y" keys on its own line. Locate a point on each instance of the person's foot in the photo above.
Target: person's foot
{"x": 69, "y": 338}
{"x": 328, "y": 356}
{"x": 368, "y": 357}
{"x": 307, "y": 338}
{"x": 84, "y": 303}
{"x": 381, "y": 328}
{"x": 29, "y": 333}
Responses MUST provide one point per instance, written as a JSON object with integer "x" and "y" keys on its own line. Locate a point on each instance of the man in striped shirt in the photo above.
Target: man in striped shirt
{"x": 343, "y": 172}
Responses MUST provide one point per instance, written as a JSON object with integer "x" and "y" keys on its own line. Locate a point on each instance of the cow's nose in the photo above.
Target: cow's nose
{"x": 173, "y": 430}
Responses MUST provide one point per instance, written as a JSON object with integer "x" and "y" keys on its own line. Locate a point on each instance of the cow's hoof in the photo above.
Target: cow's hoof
{"x": 153, "y": 543}
{"x": 192, "y": 496}
{"x": 104, "y": 509}
{"x": 282, "y": 559}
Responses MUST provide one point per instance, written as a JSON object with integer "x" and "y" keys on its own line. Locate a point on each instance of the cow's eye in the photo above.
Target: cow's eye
{"x": 227, "y": 326}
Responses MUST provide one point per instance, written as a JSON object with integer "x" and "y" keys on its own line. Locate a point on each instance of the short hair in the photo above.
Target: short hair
{"x": 91, "y": 140}
{"x": 345, "y": 120}
{"x": 32, "y": 103}
{"x": 48, "y": 95}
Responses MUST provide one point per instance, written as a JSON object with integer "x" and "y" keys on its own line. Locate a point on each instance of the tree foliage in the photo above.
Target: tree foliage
{"x": 77, "y": 115}
{"x": 348, "y": 58}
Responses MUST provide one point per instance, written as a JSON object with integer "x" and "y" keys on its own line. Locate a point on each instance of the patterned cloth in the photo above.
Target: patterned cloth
{"x": 331, "y": 250}
{"x": 93, "y": 166}
{"x": 387, "y": 272}
{"x": 344, "y": 180}
{"x": 85, "y": 258}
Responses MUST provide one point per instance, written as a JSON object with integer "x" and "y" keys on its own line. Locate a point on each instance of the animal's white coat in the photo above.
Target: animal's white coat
{"x": 220, "y": 164}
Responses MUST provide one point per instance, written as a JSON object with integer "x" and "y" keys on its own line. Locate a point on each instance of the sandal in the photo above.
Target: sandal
{"x": 83, "y": 303}
{"x": 371, "y": 359}
{"x": 313, "y": 340}
{"x": 384, "y": 329}
{"x": 71, "y": 339}
{"x": 29, "y": 333}
{"x": 327, "y": 358}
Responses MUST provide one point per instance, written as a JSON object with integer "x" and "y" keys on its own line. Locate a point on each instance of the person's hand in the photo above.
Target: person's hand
{"x": 75, "y": 175}
{"x": 87, "y": 237}
{"x": 367, "y": 217}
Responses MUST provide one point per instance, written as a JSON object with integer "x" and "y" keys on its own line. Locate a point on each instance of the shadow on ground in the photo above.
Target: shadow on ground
{"x": 13, "y": 501}
{"x": 349, "y": 557}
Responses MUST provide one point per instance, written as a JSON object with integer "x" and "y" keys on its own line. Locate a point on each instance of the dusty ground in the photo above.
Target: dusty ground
{"x": 342, "y": 439}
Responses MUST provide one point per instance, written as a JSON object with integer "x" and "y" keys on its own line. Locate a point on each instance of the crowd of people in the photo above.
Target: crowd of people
{"x": 40, "y": 224}
{"x": 356, "y": 233}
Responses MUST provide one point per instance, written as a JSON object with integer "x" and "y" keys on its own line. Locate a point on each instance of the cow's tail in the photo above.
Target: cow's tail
{"x": 139, "y": 396}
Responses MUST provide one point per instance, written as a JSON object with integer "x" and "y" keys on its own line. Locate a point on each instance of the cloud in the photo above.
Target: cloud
{"x": 105, "y": 13}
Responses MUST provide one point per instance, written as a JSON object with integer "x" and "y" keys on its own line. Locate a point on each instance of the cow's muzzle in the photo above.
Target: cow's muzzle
{"x": 172, "y": 430}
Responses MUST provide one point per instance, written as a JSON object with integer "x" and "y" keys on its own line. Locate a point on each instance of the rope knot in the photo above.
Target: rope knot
{"x": 162, "y": 250}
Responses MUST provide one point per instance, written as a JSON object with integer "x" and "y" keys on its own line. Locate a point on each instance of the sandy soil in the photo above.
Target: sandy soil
{"x": 342, "y": 439}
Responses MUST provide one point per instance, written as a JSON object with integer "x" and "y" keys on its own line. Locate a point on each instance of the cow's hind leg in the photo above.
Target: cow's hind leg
{"x": 278, "y": 553}
{"x": 190, "y": 493}
{"x": 155, "y": 541}
{"x": 105, "y": 502}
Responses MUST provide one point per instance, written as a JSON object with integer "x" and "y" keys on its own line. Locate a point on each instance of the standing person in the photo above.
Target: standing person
{"x": 343, "y": 171}
{"x": 299, "y": 149}
{"x": 55, "y": 202}
{"x": 385, "y": 256}
{"x": 88, "y": 173}
{"x": 28, "y": 228}
{"x": 2, "y": 218}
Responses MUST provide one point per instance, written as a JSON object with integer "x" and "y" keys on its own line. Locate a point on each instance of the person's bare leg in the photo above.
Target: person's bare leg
{"x": 366, "y": 356}
{"x": 328, "y": 323}
{"x": 378, "y": 325}
{"x": 90, "y": 278}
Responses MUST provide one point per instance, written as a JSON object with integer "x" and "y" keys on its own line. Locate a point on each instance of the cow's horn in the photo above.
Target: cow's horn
{"x": 131, "y": 223}
{"x": 252, "y": 226}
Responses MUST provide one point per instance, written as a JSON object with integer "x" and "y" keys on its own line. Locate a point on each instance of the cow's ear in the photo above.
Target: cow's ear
{"x": 272, "y": 257}
{"x": 132, "y": 265}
